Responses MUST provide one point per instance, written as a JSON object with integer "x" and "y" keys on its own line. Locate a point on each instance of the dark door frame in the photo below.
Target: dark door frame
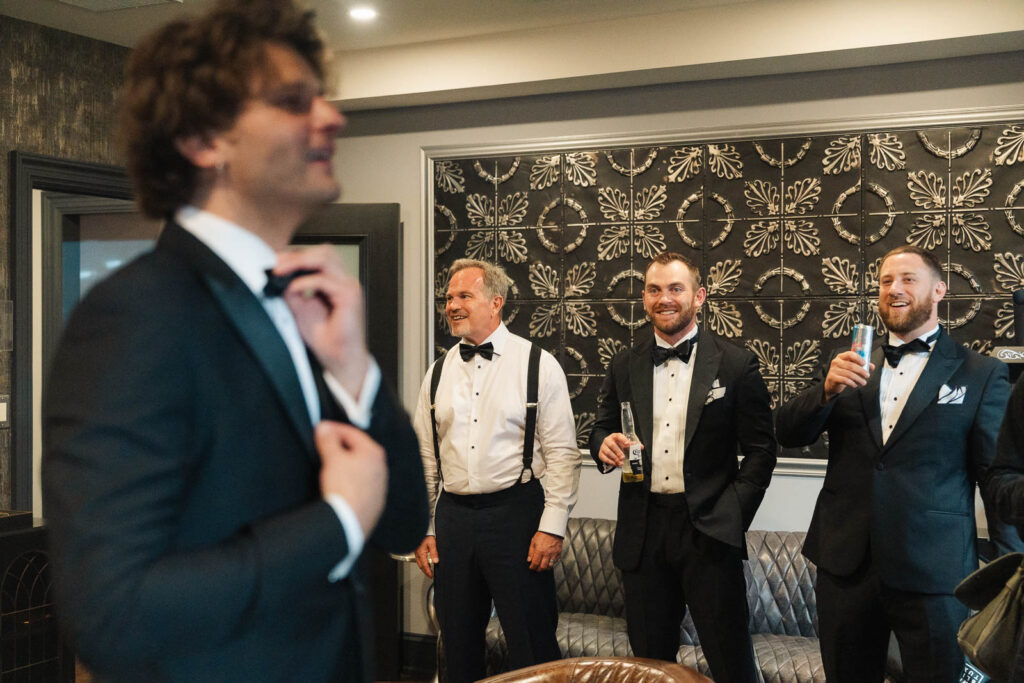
{"x": 377, "y": 230}
{"x": 34, "y": 172}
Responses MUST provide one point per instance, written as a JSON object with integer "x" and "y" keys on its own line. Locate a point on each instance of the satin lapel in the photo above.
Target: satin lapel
{"x": 870, "y": 400}
{"x": 945, "y": 358}
{"x": 252, "y": 323}
{"x": 707, "y": 357}
{"x": 330, "y": 409}
{"x": 641, "y": 383}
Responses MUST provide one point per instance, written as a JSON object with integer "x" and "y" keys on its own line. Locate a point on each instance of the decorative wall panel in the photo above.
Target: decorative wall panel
{"x": 58, "y": 99}
{"x": 788, "y": 234}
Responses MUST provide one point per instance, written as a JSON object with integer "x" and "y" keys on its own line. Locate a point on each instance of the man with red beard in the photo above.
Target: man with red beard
{"x": 679, "y": 541}
{"x": 893, "y": 531}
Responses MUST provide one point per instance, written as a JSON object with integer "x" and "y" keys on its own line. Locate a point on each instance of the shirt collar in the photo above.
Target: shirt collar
{"x": 497, "y": 338}
{"x": 896, "y": 341}
{"x": 661, "y": 342}
{"x": 244, "y": 252}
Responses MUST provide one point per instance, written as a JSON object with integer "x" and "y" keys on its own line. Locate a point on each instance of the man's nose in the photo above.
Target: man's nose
{"x": 329, "y": 118}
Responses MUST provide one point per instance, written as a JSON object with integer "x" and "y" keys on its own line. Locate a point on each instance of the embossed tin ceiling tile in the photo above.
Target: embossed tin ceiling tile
{"x": 949, "y": 143}
{"x": 788, "y": 235}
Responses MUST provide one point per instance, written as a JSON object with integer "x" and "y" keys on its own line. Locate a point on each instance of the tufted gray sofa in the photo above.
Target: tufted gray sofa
{"x": 592, "y": 619}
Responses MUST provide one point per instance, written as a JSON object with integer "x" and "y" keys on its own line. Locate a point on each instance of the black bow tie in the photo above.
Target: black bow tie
{"x": 893, "y": 354}
{"x": 660, "y": 354}
{"x": 467, "y": 351}
{"x": 276, "y": 284}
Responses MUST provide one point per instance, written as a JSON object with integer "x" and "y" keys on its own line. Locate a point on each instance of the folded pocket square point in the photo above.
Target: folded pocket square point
{"x": 716, "y": 393}
{"x": 951, "y": 395}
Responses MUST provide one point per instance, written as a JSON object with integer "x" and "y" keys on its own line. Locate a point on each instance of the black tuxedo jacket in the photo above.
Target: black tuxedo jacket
{"x": 722, "y": 494}
{"x": 908, "y": 505}
{"x": 181, "y": 485}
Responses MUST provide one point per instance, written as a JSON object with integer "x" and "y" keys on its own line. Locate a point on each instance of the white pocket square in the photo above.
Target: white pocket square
{"x": 952, "y": 395}
{"x": 716, "y": 392}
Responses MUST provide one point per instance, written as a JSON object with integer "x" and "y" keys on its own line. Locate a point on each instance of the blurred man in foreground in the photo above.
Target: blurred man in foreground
{"x": 207, "y": 519}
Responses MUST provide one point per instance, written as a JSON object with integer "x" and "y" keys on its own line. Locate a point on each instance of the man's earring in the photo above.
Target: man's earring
{"x": 220, "y": 167}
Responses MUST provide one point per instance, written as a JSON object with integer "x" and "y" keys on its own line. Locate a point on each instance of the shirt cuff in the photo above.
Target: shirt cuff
{"x": 353, "y": 535}
{"x": 358, "y": 412}
{"x": 554, "y": 522}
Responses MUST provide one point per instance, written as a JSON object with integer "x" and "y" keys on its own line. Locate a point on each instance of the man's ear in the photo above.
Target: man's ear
{"x": 940, "y": 291}
{"x": 198, "y": 149}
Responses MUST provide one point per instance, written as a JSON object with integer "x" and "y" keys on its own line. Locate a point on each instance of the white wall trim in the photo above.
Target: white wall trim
{"x": 801, "y": 467}
{"x": 950, "y": 117}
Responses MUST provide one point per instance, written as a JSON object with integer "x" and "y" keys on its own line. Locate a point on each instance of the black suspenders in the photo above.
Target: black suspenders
{"x": 532, "y": 371}
{"x": 435, "y": 379}
{"x": 532, "y": 375}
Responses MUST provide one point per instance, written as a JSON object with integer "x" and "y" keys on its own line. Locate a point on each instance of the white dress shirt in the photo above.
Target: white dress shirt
{"x": 249, "y": 257}
{"x": 670, "y": 399}
{"x": 481, "y": 419}
{"x": 895, "y": 384}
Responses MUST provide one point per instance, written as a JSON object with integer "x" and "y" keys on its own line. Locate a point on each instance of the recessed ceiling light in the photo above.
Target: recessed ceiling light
{"x": 363, "y": 13}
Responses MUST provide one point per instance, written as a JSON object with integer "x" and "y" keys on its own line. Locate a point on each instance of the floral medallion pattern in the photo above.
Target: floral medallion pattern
{"x": 788, "y": 234}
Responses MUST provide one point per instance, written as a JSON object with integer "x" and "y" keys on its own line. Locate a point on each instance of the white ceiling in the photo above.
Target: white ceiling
{"x": 398, "y": 22}
{"x": 437, "y": 51}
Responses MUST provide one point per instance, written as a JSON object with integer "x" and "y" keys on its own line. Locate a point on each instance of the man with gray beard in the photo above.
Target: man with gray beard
{"x": 498, "y": 445}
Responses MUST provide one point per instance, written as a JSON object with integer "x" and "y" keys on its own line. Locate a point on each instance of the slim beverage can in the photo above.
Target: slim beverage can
{"x": 863, "y": 336}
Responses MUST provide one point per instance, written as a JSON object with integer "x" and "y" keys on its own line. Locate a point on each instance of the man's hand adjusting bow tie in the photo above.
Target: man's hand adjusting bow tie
{"x": 467, "y": 351}
{"x": 276, "y": 284}
{"x": 660, "y": 354}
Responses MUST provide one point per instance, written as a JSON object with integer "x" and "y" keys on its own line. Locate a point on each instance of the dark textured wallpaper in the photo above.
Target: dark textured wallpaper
{"x": 60, "y": 100}
{"x": 788, "y": 234}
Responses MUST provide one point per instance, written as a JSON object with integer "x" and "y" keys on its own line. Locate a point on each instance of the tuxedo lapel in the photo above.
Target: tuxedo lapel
{"x": 251, "y": 322}
{"x": 707, "y": 357}
{"x": 945, "y": 358}
{"x": 870, "y": 400}
{"x": 641, "y": 383}
{"x": 330, "y": 409}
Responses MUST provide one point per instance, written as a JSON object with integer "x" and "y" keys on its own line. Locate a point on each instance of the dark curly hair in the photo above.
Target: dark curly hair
{"x": 192, "y": 77}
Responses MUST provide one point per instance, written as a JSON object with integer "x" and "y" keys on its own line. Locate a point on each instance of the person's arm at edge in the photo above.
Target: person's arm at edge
{"x": 1002, "y": 482}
